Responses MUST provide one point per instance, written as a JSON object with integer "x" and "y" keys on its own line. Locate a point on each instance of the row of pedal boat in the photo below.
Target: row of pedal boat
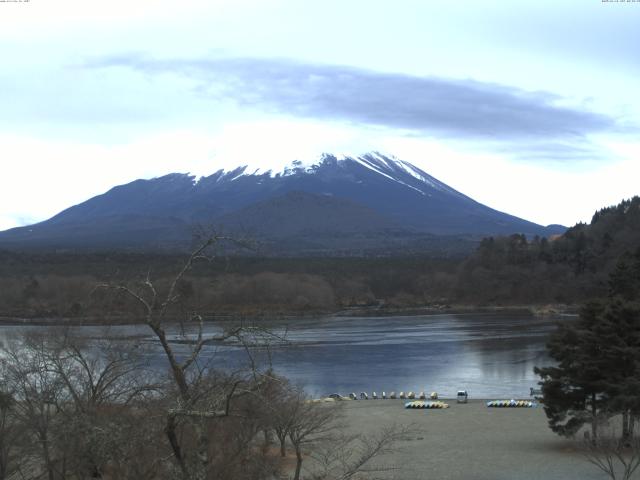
{"x": 392, "y": 396}
{"x": 511, "y": 404}
{"x": 422, "y": 404}
{"x": 491, "y": 404}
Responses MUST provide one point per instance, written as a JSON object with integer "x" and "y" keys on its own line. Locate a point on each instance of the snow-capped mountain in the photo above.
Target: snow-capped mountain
{"x": 359, "y": 204}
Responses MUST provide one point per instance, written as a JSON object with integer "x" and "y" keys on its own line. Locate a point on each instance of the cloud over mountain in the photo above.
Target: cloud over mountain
{"x": 433, "y": 105}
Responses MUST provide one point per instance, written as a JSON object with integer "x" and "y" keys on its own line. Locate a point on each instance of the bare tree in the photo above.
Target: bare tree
{"x": 102, "y": 381}
{"x": 38, "y": 393}
{"x": 279, "y": 407}
{"x": 98, "y": 373}
{"x": 90, "y": 409}
{"x": 239, "y": 451}
{"x": 348, "y": 457}
{"x": 11, "y": 437}
{"x": 310, "y": 424}
{"x": 198, "y": 399}
{"x": 617, "y": 457}
{"x": 71, "y": 400}
{"x": 316, "y": 434}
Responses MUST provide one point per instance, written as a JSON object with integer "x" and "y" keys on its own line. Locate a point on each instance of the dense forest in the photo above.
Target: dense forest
{"x": 571, "y": 268}
{"x": 503, "y": 271}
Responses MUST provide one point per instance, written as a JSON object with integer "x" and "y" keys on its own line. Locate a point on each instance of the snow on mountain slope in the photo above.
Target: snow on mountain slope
{"x": 387, "y": 166}
{"x": 374, "y": 196}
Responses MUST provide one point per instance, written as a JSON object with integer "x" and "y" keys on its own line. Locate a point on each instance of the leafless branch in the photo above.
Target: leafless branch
{"x": 613, "y": 456}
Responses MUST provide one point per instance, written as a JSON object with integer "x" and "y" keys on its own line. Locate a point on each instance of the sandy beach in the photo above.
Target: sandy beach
{"x": 471, "y": 441}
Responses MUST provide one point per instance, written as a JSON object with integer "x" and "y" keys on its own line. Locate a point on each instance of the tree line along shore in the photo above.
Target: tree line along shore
{"x": 502, "y": 272}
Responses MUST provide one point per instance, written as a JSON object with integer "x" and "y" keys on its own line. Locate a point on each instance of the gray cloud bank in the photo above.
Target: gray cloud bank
{"x": 457, "y": 108}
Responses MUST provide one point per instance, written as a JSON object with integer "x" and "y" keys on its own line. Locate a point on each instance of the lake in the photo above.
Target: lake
{"x": 490, "y": 355}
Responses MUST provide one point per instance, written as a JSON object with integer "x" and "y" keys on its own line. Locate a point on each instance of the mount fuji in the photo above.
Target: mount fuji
{"x": 350, "y": 205}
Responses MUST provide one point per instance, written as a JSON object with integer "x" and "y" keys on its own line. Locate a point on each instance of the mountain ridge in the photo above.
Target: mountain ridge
{"x": 370, "y": 194}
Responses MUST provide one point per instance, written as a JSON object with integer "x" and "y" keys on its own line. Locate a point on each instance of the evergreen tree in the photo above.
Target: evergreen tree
{"x": 620, "y": 333}
{"x": 573, "y": 389}
{"x": 624, "y": 281}
{"x": 598, "y": 359}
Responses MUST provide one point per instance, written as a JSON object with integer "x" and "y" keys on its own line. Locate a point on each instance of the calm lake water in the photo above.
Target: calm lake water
{"x": 491, "y": 356}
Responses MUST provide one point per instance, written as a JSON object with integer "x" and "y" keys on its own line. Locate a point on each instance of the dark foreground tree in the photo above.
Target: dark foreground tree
{"x": 572, "y": 389}
{"x": 597, "y": 371}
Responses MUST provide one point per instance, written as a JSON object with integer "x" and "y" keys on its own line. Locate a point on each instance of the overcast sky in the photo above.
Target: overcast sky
{"x": 530, "y": 107}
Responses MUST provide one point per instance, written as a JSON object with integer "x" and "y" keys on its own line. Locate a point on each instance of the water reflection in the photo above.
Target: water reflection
{"x": 489, "y": 355}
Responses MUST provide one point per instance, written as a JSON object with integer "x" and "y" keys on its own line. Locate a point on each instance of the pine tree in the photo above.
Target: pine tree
{"x": 621, "y": 337}
{"x": 573, "y": 390}
{"x": 624, "y": 281}
{"x": 598, "y": 359}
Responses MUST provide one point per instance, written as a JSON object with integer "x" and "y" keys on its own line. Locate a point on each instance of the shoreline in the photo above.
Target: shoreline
{"x": 450, "y": 400}
{"x": 534, "y": 310}
{"x": 531, "y": 309}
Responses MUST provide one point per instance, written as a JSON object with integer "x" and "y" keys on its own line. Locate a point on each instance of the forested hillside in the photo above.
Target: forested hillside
{"x": 568, "y": 269}
{"x": 503, "y": 271}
